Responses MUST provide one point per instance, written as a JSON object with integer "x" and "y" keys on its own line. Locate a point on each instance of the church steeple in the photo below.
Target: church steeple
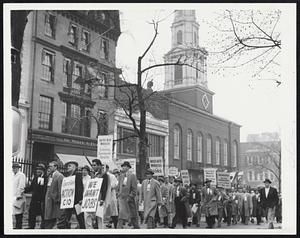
{"x": 185, "y": 44}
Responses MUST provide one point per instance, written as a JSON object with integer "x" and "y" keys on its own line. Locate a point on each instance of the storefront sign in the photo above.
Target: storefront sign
{"x": 223, "y": 180}
{"x": 185, "y": 177}
{"x": 131, "y": 161}
{"x": 156, "y": 164}
{"x": 210, "y": 173}
{"x": 105, "y": 148}
{"x": 91, "y": 195}
{"x": 67, "y": 192}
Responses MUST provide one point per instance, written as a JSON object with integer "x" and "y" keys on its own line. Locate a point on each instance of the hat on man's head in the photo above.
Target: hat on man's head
{"x": 40, "y": 167}
{"x": 207, "y": 181}
{"x": 267, "y": 180}
{"x": 115, "y": 171}
{"x": 126, "y": 163}
{"x": 87, "y": 168}
{"x": 160, "y": 178}
{"x": 71, "y": 162}
{"x": 16, "y": 165}
{"x": 149, "y": 171}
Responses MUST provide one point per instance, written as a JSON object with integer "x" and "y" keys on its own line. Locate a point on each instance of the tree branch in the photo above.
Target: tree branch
{"x": 155, "y": 25}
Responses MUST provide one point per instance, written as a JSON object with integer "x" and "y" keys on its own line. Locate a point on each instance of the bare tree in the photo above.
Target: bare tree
{"x": 271, "y": 151}
{"x": 247, "y": 39}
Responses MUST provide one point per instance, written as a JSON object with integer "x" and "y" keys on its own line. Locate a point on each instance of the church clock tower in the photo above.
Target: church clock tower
{"x": 185, "y": 45}
{"x": 187, "y": 83}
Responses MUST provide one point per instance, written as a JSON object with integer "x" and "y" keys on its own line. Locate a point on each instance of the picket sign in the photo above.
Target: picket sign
{"x": 173, "y": 171}
{"x": 67, "y": 192}
{"x": 91, "y": 195}
{"x": 223, "y": 180}
{"x": 105, "y": 148}
{"x": 156, "y": 164}
{"x": 185, "y": 177}
{"x": 210, "y": 173}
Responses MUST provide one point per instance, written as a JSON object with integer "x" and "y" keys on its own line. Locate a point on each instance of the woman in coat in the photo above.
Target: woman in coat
{"x": 19, "y": 180}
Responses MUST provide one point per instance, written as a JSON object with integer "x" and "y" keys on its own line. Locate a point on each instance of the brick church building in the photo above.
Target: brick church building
{"x": 197, "y": 138}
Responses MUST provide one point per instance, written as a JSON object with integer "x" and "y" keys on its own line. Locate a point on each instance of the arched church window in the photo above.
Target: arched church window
{"x": 178, "y": 75}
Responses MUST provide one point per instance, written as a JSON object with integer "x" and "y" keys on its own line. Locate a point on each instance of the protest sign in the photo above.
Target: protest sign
{"x": 67, "y": 192}
{"x": 223, "y": 180}
{"x": 91, "y": 195}
{"x": 173, "y": 171}
{"x": 156, "y": 164}
{"x": 210, "y": 173}
{"x": 105, "y": 148}
{"x": 131, "y": 161}
{"x": 185, "y": 177}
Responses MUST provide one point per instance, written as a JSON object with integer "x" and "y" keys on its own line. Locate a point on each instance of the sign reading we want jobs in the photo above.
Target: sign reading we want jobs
{"x": 67, "y": 192}
{"x": 91, "y": 195}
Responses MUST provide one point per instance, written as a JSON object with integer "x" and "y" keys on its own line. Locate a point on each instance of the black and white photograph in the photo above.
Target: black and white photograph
{"x": 158, "y": 118}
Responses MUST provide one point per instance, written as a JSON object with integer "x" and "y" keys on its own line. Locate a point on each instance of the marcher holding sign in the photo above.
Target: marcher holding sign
{"x": 90, "y": 194}
{"x": 156, "y": 164}
{"x": 71, "y": 196}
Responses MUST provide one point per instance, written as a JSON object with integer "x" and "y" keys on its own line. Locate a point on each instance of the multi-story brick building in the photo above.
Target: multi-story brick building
{"x": 62, "y": 115}
{"x": 197, "y": 137}
{"x": 260, "y": 160}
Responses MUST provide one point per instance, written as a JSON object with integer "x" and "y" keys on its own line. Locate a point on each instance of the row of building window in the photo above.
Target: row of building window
{"x": 199, "y": 149}
{"x": 258, "y": 159}
{"x": 128, "y": 143}
{"x": 73, "y": 35}
{"x": 74, "y": 73}
{"x": 261, "y": 176}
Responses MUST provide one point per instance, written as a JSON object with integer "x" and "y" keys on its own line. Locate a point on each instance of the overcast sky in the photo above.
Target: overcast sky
{"x": 254, "y": 105}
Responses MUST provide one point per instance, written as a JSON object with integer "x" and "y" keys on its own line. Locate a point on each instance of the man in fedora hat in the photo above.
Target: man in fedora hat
{"x": 72, "y": 170}
{"x": 126, "y": 194}
{"x": 210, "y": 206}
{"x": 151, "y": 197}
{"x": 19, "y": 180}
{"x": 269, "y": 200}
{"x": 38, "y": 188}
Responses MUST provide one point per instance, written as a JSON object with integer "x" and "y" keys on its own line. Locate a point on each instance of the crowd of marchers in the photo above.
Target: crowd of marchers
{"x": 160, "y": 202}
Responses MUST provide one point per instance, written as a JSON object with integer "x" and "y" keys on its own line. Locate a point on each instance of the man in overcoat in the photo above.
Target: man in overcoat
{"x": 163, "y": 211}
{"x": 19, "y": 180}
{"x": 209, "y": 203}
{"x": 151, "y": 197}
{"x": 269, "y": 200}
{"x": 181, "y": 200}
{"x": 38, "y": 188}
{"x": 257, "y": 209}
{"x": 72, "y": 167}
{"x": 246, "y": 206}
{"x": 126, "y": 195}
{"x": 171, "y": 201}
{"x": 53, "y": 213}
{"x": 194, "y": 200}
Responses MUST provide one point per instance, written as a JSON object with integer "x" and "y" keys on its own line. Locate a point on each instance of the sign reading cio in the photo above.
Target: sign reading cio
{"x": 105, "y": 148}
{"x": 156, "y": 164}
{"x": 91, "y": 195}
{"x": 67, "y": 192}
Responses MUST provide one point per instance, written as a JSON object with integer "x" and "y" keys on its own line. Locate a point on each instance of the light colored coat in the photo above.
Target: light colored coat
{"x": 151, "y": 198}
{"x": 171, "y": 198}
{"x": 127, "y": 196}
{"x": 111, "y": 204}
{"x": 53, "y": 196}
{"x": 19, "y": 180}
{"x": 246, "y": 204}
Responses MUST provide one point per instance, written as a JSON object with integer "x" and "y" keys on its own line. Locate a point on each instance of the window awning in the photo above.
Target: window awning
{"x": 80, "y": 159}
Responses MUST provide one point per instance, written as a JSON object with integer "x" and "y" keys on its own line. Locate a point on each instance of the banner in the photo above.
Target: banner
{"x": 131, "y": 161}
{"x": 173, "y": 171}
{"x": 67, "y": 192}
{"x": 105, "y": 148}
{"x": 185, "y": 177}
{"x": 223, "y": 180}
{"x": 210, "y": 173}
{"x": 156, "y": 164}
{"x": 91, "y": 195}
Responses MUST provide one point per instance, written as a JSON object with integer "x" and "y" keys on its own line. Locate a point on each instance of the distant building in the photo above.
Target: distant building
{"x": 258, "y": 161}
{"x": 197, "y": 138}
{"x": 263, "y": 137}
